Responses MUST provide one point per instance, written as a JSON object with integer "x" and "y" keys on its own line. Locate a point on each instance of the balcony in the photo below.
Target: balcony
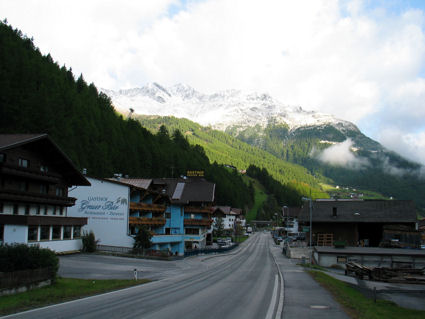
{"x": 147, "y": 207}
{"x": 198, "y": 222}
{"x": 30, "y": 173}
{"x": 195, "y": 209}
{"x": 36, "y": 198}
{"x": 147, "y": 221}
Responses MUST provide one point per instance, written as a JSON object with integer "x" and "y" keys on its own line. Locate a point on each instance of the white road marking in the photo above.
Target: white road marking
{"x": 273, "y": 301}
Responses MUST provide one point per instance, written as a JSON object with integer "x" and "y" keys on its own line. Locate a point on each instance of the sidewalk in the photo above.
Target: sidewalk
{"x": 304, "y": 297}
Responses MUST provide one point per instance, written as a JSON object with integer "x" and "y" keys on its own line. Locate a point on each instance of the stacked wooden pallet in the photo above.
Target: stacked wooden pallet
{"x": 396, "y": 275}
{"x": 325, "y": 239}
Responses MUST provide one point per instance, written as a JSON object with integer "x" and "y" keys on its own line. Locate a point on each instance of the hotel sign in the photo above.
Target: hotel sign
{"x": 195, "y": 173}
{"x": 103, "y": 207}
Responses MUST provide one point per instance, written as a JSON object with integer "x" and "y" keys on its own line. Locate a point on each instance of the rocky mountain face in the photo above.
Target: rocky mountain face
{"x": 236, "y": 112}
{"x": 219, "y": 110}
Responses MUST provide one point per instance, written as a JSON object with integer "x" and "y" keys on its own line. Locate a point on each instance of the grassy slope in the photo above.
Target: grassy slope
{"x": 259, "y": 199}
{"x": 224, "y": 149}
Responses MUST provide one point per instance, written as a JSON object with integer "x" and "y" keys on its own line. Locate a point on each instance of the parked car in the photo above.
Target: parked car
{"x": 297, "y": 236}
{"x": 224, "y": 242}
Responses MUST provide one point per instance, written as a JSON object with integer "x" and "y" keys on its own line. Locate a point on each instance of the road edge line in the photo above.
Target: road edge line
{"x": 282, "y": 290}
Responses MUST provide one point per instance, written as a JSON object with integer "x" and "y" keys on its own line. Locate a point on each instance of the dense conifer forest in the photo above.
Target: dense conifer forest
{"x": 39, "y": 96}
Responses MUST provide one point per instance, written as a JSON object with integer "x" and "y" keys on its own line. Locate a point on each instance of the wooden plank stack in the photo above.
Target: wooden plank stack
{"x": 396, "y": 275}
{"x": 325, "y": 239}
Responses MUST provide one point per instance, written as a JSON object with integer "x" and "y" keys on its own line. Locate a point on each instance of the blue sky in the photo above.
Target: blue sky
{"x": 362, "y": 61}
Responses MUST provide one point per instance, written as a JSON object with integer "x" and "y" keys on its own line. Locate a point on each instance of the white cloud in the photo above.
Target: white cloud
{"x": 96, "y": 37}
{"x": 411, "y": 145}
{"x": 340, "y": 57}
{"x": 342, "y": 155}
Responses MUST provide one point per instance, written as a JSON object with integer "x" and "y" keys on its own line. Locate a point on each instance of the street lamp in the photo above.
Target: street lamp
{"x": 311, "y": 215}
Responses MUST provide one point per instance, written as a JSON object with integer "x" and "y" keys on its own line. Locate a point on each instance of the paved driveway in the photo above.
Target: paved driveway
{"x": 92, "y": 266}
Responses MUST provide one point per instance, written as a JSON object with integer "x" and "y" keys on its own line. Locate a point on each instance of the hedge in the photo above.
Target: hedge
{"x": 22, "y": 257}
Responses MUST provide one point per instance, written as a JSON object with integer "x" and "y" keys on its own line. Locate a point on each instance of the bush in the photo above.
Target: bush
{"x": 22, "y": 257}
{"x": 142, "y": 241}
{"x": 89, "y": 242}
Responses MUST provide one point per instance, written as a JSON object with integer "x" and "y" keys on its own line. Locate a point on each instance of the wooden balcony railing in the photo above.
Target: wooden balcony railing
{"x": 147, "y": 221}
{"x": 147, "y": 207}
{"x": 194, "y": 209}
{"x": 31, "y": 197}
{"x": 198, "y": 222}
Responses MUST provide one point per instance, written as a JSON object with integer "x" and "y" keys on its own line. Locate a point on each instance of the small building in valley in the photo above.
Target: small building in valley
{"x": 361, "y": 222}
{"x": 34, "y": 179}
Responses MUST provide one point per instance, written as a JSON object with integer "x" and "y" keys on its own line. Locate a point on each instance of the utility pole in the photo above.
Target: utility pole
{"x": 311, "y": 220}
{"x": 311, "y": 216}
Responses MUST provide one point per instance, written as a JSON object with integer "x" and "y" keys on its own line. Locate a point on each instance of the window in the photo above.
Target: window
{"x": 44, "y": 232}
{"x": 54, "y": 210}
{"x": 37, "y": 211}
{"x": 32, "y": 233}
{"x": 334, "y": 211}
{"x": 27, "y": 209}
{"x": 59, "y": 191}
{"x": 167, "y": 231}
{"x": 15, "y": 209}
{"x": 44, "y": 168}
{"x": 62, "y": 210}
{"x": 77, "y": 232}
{"x": 23, "y": 163}
{"x": 44, "y": 188}
{"x": 56, "y": 232}
{"x": 67, "y": 231}
{"x": 191, "y": 231}
{"x": 2, "y": 158}
{"x": 1, "y": 208}
{"x": 168, "y": 215}
{"x": 43, "y": 210}
{"x": 341, "y": 259}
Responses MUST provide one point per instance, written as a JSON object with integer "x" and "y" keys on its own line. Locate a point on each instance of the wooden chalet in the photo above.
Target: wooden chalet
{"x": 34, "y": 179}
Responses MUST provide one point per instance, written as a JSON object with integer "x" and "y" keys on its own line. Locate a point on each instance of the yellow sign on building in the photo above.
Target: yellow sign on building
{"x": 195, "y": 173}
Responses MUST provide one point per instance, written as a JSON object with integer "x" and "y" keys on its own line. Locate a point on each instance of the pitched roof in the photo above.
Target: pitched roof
{"x": 142, "y": 183}
{"x": 384, "y": 211}
{"x": 184, "y": 191}
{"x": 224, "y": 209}
{"x": 8, "y": 141}
{"x": 43, "y": 143}
{"x": 236, "y": 211}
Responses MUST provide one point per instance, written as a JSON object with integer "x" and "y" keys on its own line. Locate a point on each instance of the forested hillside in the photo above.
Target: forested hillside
{"x": 39, "y": 96}
{"x": 225, "y": 149}
{"x": 385, "y": 172}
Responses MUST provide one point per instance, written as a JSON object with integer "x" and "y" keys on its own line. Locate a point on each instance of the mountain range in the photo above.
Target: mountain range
{"x": 219, "y": 110}
{"x": 332, "y": 150}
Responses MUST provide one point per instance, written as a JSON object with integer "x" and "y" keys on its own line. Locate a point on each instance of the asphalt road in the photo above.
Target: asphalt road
{"x": 244, "y": 284}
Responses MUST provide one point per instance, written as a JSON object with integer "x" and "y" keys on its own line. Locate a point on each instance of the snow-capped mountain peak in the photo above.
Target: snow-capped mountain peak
{"x": 219, "y": 110}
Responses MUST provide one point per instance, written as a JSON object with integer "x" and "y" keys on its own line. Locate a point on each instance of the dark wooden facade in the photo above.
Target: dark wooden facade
{"x": 358, "y": 222}
{"x": 34, "y": 179}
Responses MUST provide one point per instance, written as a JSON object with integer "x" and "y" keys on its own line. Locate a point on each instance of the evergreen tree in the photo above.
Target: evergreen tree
{"x": 142, "y": 240}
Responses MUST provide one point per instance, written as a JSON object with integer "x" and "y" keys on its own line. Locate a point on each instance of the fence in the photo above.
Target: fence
{"x": 114, "y": 249}
{"x": 204, "y": 251}
{"x": 11, "y": 282}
